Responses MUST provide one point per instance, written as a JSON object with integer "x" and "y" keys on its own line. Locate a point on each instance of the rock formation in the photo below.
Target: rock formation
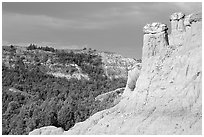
{"x": 116, "y": 93}
{"x": 167, "y": 96}
{"x": 177, "y": 23}
{"x": 49, "y": 130}
{"x": 133, "y": 75}
{"x": 110, "y": 99}
{"x": 116, "y": 66}
{"x": 57, "y": 71}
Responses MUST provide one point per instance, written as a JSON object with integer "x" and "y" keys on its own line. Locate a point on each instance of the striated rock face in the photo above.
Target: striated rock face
{"x": 116, "y": 66}
{"x": 167, "y": 95}
{"x": 57, "y": 71}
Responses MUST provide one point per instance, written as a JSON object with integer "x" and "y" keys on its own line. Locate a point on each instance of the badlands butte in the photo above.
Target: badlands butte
{"x": 165, "y": 96}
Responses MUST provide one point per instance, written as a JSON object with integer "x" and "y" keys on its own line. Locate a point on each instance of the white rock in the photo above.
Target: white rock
{"x": 49, "y": 130}
{"x": 155, "y": 27}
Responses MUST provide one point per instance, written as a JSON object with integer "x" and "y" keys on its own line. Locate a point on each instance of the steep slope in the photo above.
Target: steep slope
{"x": 167, "y": 95}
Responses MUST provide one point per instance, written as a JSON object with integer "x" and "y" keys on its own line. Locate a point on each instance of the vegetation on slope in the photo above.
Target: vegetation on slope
{"x": 32, "y": 99}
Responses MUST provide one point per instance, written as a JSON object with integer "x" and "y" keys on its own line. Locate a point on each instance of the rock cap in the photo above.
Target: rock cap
{"x": 196, "y": 17}
{"x": 187, "y": 20}
{"x": 177, "y": 16}
{"x": 155, "y": 27}
{"x": 48, "y": 130}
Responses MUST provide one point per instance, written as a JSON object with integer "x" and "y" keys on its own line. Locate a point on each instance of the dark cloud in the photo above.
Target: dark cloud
{"x": 105, "y": 26}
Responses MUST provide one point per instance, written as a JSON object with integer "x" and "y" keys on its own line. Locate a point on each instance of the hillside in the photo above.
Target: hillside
{"x": 42, "y": 86}
{"x": 165, "y": 96}
{"x": 61, "y": 63}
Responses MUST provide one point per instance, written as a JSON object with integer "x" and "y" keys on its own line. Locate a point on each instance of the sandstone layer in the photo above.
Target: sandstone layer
{"x": 116, "y": 66}
{"x": 166, "y": 97}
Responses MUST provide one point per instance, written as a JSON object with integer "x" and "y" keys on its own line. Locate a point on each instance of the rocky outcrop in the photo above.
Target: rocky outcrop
{"x": 67, "y": 71}
{"x": 180, "y": 23}
{"x": 14, "y": 90}
{"x": 49, "y": 130}
{"x": 116, "y": 66}
{"x": 110, "y": 99}
{"x": 116, "y": 93}
{"x": 167, "y": 96}
{"x": 177, "y": 23}
{"x": 177, "y": 28}
{"x": 133, "y": 75}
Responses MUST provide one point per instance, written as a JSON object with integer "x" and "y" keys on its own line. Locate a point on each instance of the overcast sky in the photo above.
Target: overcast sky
{"x": 115, "y": 27}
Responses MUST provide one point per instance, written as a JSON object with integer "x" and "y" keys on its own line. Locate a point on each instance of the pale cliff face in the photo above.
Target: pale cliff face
{"x": 167, "y": 95}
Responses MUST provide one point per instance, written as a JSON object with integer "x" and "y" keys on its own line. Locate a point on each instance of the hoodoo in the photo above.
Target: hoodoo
{"x": 177, "y": 23}
{"x": 165, "y": 96}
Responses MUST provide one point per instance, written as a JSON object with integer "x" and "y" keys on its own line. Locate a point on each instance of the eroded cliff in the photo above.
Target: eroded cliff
{"x": 165, "y": 96}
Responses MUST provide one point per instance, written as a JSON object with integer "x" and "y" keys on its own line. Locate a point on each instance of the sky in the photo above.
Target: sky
{"x": 104, "y": 26}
